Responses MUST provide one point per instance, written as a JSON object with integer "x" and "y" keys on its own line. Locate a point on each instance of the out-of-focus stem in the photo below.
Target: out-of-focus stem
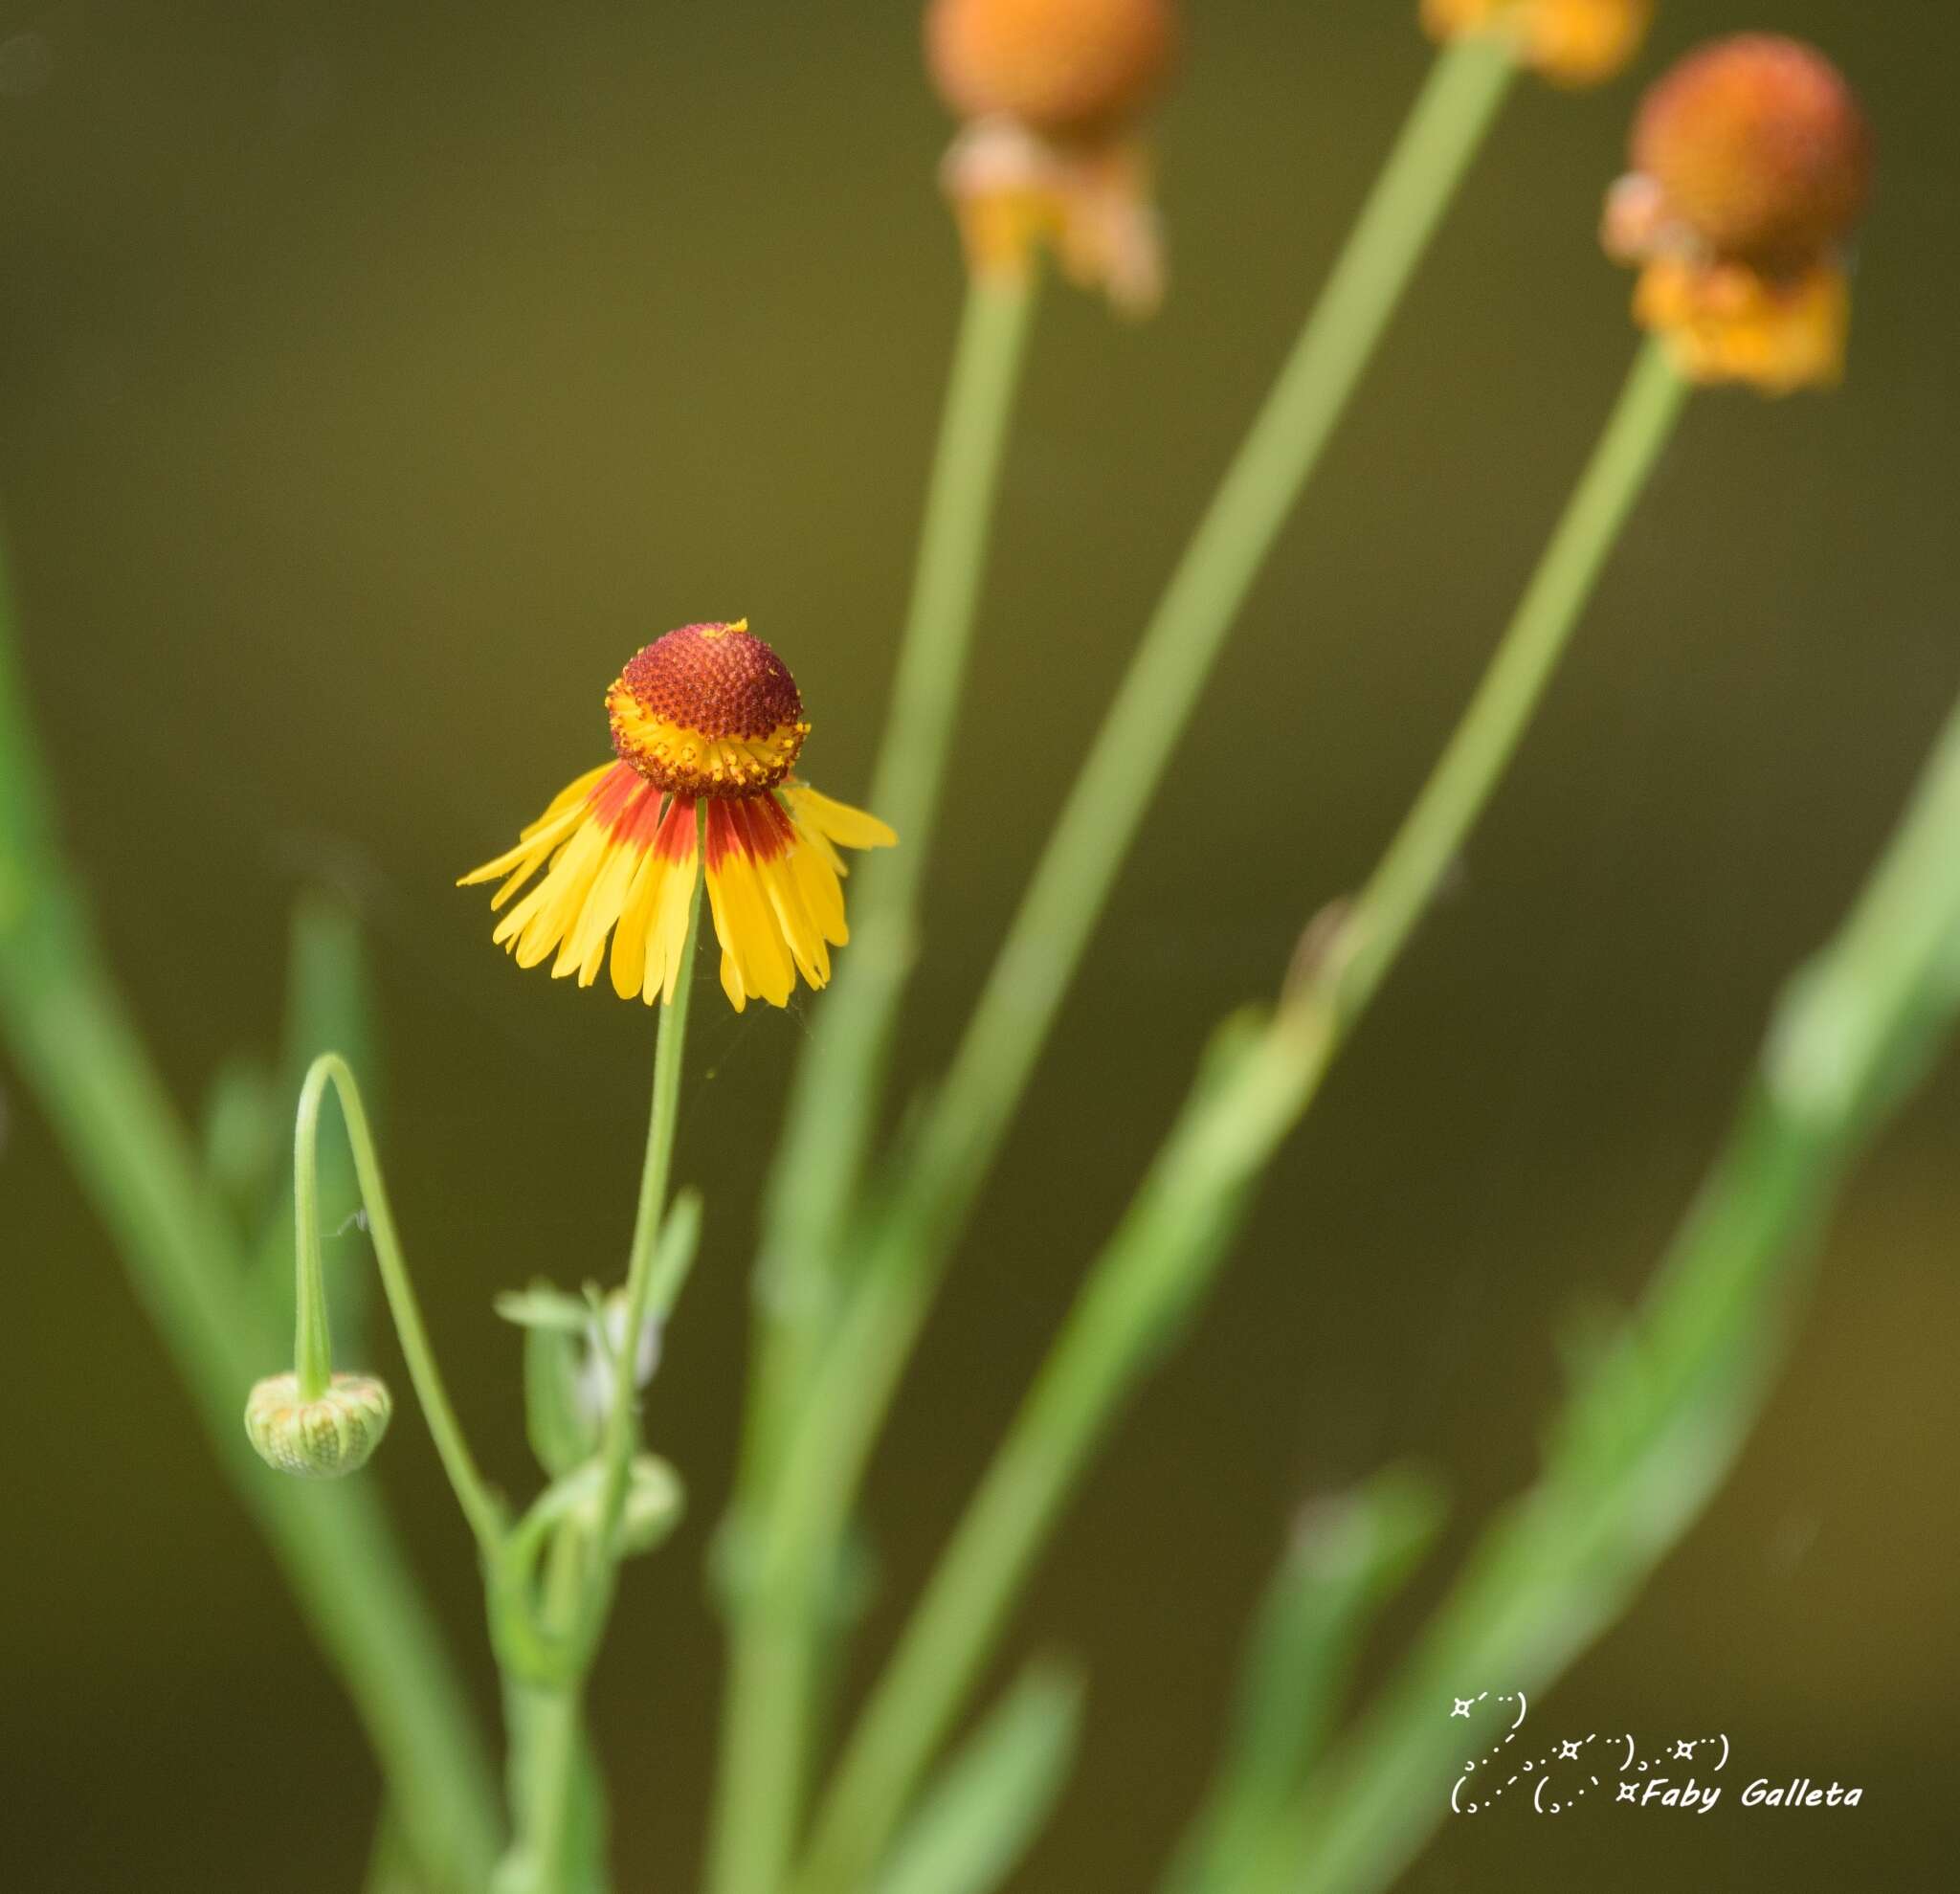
{"x": 1174, "y": 1233}
{"x": 69, "y": 1030}
{"x": 839, "y": 1082}
{"x": 790, "y": 1551}
{"x": 1656, "y": 1423}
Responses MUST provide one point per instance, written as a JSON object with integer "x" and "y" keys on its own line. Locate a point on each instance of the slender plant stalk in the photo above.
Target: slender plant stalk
{"x": 839, "y": 1078}
{"x": 1164, "y": 1254}
{"x": 1485, "y": 740}
{"x": 1126, "y": 763}
{"x": 550, "y": 1732}
{"x": 1655, "y": 1423}
{"x": 583, "y": 1563}
{"x": 771, "y": 1684}
{"x": 76, "y": 1045}
{"x": 656, "y": 1170}
{"x": 311, "y": 1346}
{"x": 945, "y": 1166}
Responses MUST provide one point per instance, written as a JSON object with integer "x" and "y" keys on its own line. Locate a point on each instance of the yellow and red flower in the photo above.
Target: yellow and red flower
{"x": 1050, "y": 94}
{"x": 1574, "y": 42}
{"x": 708, "y": 725}
{"x": 1752, "y": 165}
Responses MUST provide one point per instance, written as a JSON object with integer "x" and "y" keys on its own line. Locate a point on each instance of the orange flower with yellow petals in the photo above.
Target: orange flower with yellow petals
{"x": 1752, "y": 167}
{"x": 1051, "y": 93}
{"x": 1574, "y": 42}
{"x": 708, "y": 725}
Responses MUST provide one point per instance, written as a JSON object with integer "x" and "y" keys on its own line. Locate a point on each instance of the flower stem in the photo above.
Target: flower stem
{"x": 70, "y": 1031}
{"x": 622, "y": 1423}
{"x": 1483, "y": 742}
{"x": 480, "y": 1506}
{"x": 1125, "y": 764}
{"x": 1174, "y": 1236}
{"x": 837, "y": 1409}
{"x": 838, "y": 1081}
{"x": 1652, "y": 1428}
{"x": 582, "y": 1562}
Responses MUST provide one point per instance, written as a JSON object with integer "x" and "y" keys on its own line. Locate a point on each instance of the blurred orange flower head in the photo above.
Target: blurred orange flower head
{"x": 1575, "y": 42}
{"x": 1752, "y": 167}
{"x": 1052, "y": 95}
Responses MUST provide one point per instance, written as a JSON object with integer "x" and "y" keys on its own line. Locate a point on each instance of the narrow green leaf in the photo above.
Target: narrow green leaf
{"x": 979, "y": 1815}
{"x": 1346, "y": 1558}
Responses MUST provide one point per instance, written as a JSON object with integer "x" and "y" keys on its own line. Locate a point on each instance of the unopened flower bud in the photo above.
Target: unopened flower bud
{"x": 654, "y": 1502}
{"x": 320, "y": 1440}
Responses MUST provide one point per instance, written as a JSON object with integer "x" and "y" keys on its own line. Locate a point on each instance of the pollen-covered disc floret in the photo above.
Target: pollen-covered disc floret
{"x": 1751, "y": 166}
{"x": 707, "y": 725}
{"x": 1574, "y": 42}
{"x": 1050, "y": 94}
{"x": 707, "y": 710}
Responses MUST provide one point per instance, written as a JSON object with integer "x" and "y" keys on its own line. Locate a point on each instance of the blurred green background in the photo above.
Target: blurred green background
{"x": 375, "y": 379}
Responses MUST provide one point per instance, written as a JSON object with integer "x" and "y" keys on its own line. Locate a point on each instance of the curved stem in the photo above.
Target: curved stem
{"x": 76, "y": 1043}
{"x": 1160, "y": 1258}
{"x": 481, "y": 1507}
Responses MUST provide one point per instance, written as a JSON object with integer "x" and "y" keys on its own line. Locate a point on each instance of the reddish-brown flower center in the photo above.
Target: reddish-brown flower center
{"x": 707, "y": 710}
{"x": 1758, "y": 148}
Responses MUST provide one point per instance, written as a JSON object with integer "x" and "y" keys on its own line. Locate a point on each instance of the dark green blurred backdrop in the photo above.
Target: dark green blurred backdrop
{"x": 373, "y": 379}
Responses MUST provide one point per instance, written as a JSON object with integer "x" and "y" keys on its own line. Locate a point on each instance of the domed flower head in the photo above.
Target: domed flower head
{"x": 1052, "y": 93}
{"x": 708, "y": 725}
{"x": 1575, "y": 42}
{"x": 1751, "y": 166}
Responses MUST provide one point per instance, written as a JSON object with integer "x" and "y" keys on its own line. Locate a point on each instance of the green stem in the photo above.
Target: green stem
{"x": 581, "y": 1570}
{"x": 656, "y": 1169}
{"x": 480, "y": 1506}
{"x": 553, "y": 1726}
{"x": 1653, "y": 1427}
{"x": 1509, "y": 692}
{"x": 1174, "y": 1233}
{"x": 945, "y": 1167}
{"x": 71, "y": 1032}
{"x": 1051, "y": 932}
{"x": 1127, "y": 762}
{"x": 838, "y": 1083}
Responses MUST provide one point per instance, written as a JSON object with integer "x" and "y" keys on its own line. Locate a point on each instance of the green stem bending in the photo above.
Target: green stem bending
{"x": 834, "y": 1100}
{"x": 1170, "y": 1244}
{"x": 71, "y": 1032}
{"x": 480, "y": 1504}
